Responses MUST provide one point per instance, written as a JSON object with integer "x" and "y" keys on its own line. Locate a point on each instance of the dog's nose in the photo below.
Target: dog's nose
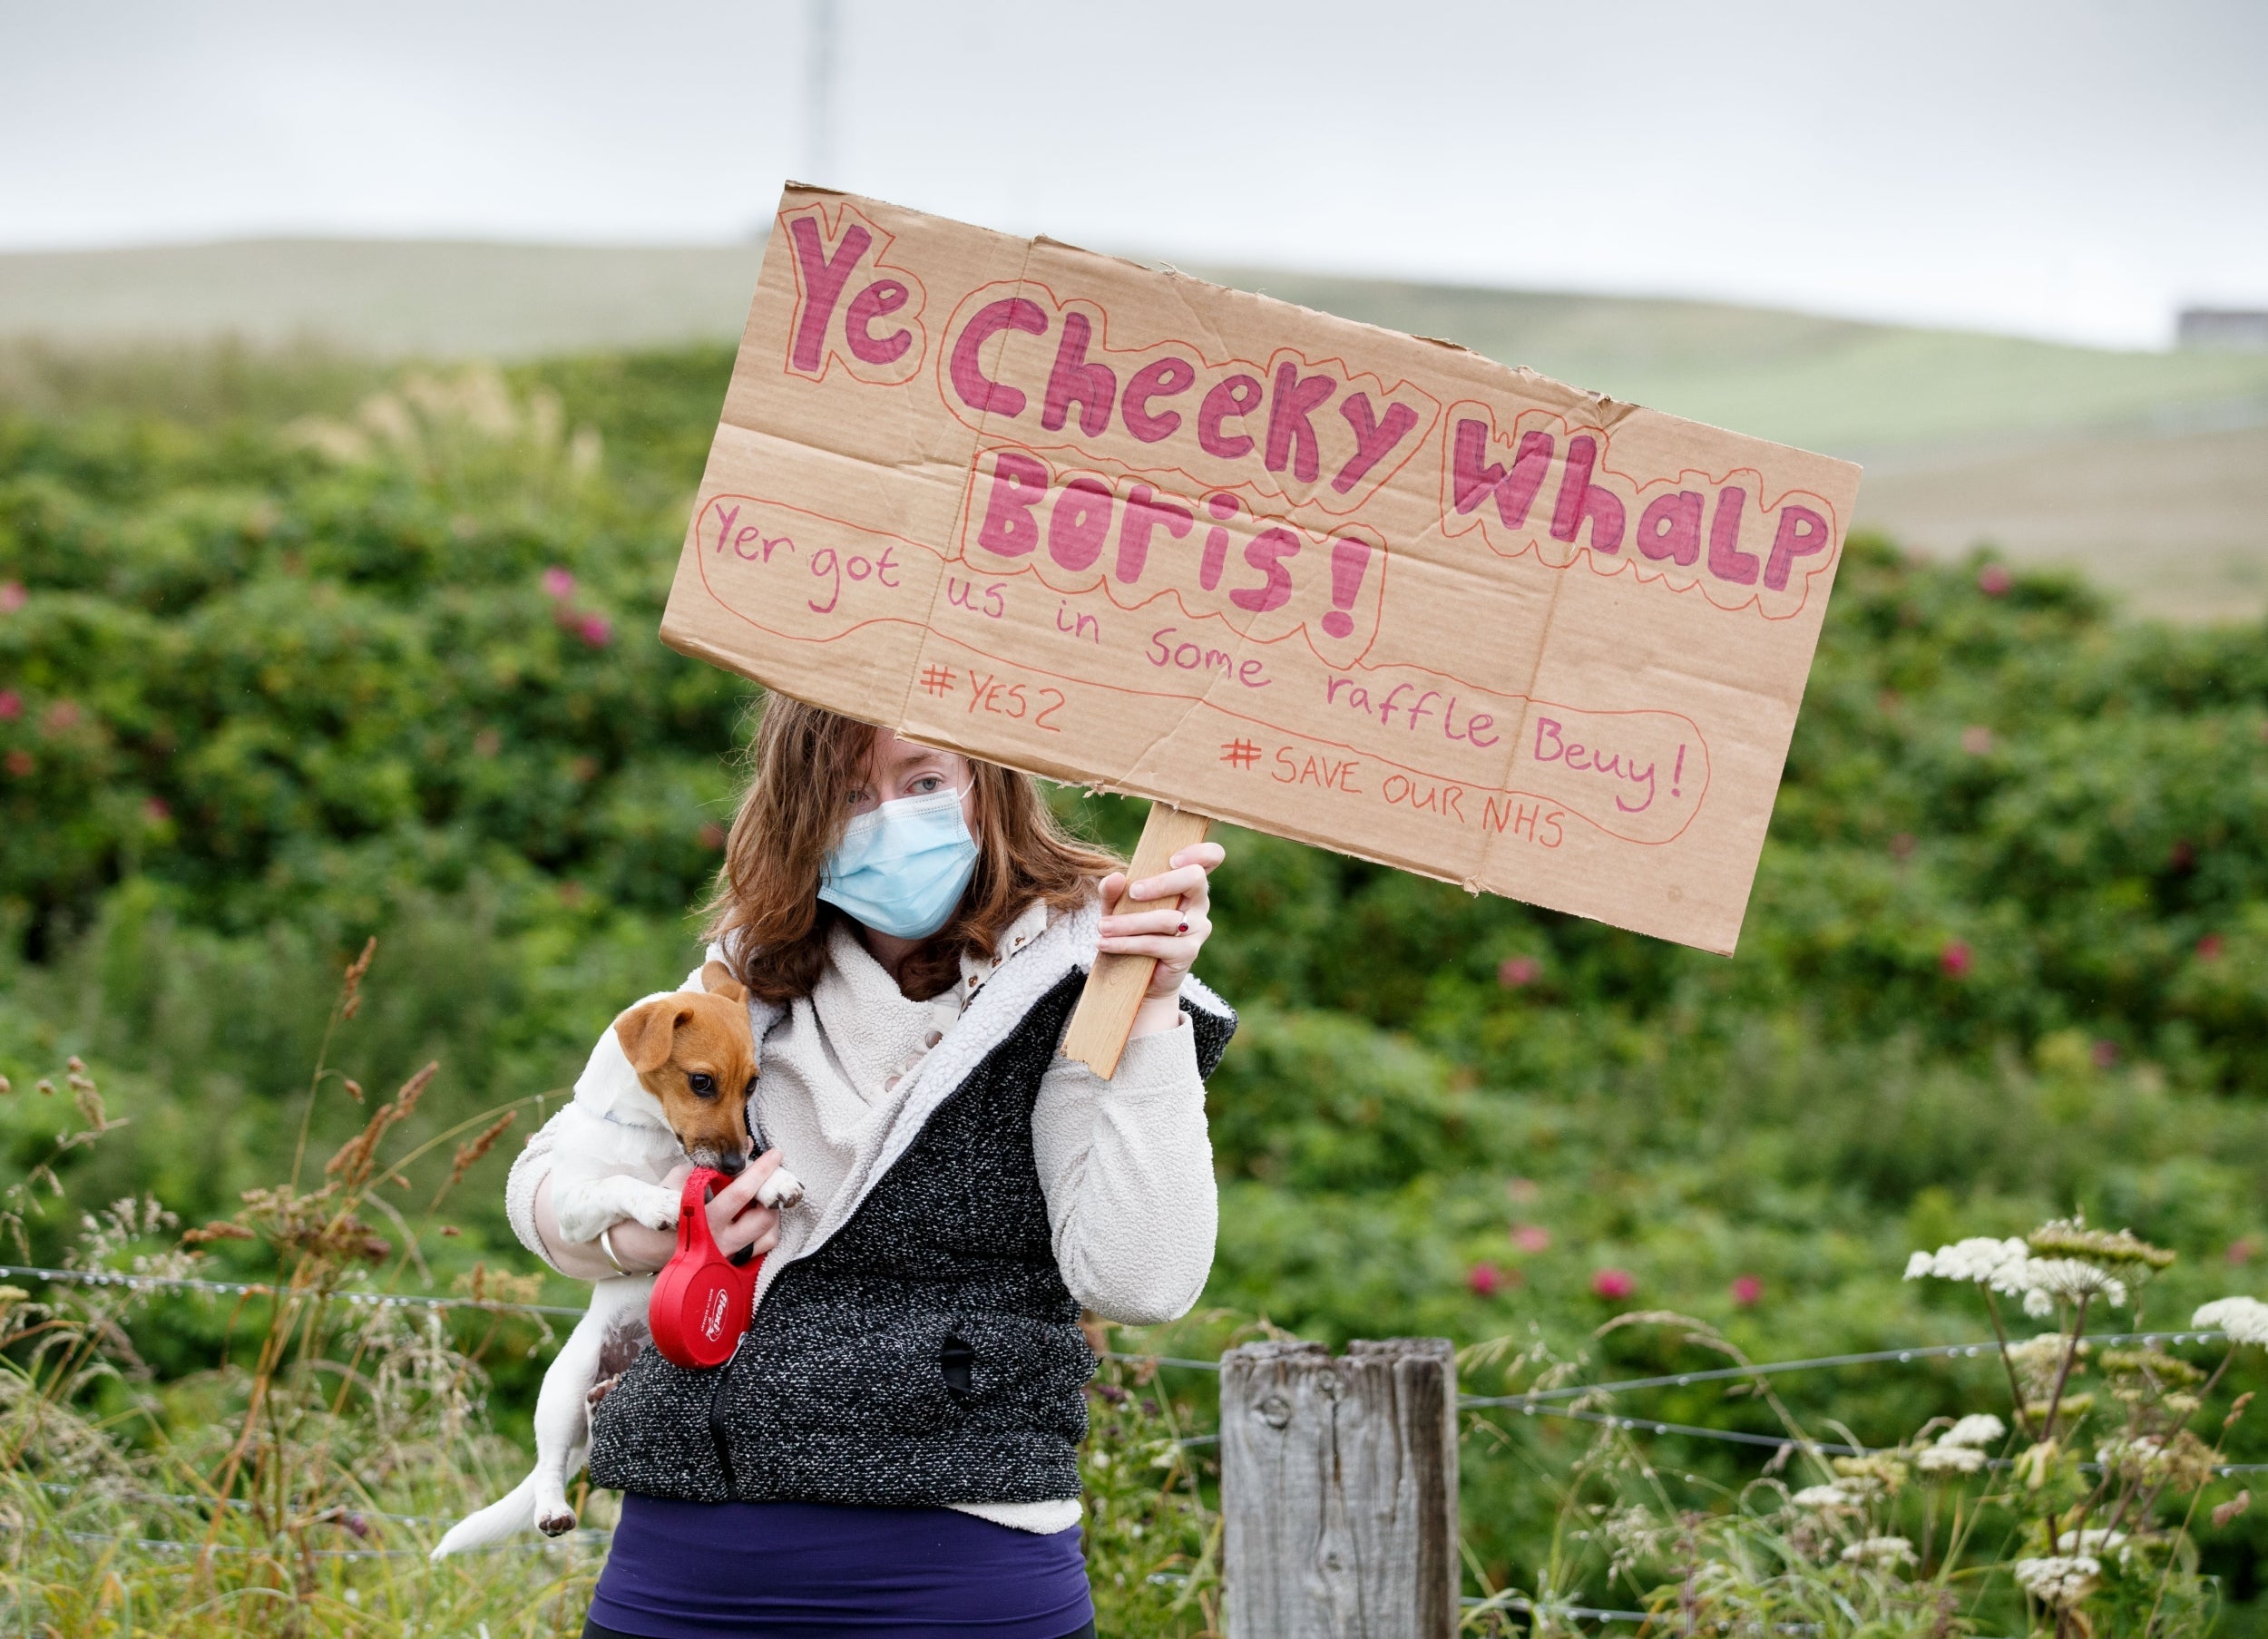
{"x": 732, "y": 1162}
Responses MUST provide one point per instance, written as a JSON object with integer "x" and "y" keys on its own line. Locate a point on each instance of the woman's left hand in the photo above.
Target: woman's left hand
{"x": 1173, "y": 935}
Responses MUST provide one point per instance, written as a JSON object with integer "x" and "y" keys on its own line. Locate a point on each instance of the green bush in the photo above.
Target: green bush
{"x": 270, "y": 686}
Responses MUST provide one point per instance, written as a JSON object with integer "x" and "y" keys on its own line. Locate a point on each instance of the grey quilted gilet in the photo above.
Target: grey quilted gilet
{"x": 928, "y": 1352}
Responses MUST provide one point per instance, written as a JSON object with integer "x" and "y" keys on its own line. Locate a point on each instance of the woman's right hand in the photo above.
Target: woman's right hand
{"x": 734, "y": 1219}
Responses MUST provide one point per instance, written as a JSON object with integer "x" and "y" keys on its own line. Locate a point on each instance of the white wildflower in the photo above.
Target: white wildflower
{"x": 2032, "y": 1353}
{"x": 1978, "y": 1428}
{"x": 1979, "y": 1258}
{"x": 2183, "y": 1463}
{"x": 1824, "y": 1497}
{"x": 1950, "y": 1459}
{"x": 2092, "y": 1541}
{"x": 1889, "y": 1552}
{"x": 2145, "y": 1454}
{"x": 2008, "y": 1268}
{"x": 2246, "y": 1320}
{"x": 2043, "y": 1280}
{"x": 2061, "y": 1581}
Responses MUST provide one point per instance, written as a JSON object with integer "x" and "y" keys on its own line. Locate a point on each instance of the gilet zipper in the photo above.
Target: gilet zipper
{"x": 717, "y": 1434}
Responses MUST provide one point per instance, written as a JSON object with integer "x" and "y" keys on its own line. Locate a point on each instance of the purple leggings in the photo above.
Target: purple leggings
{"x": 799, "y": 1570}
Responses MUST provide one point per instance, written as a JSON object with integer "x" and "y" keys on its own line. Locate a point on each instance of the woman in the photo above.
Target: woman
{"x": 895, "y": 1448}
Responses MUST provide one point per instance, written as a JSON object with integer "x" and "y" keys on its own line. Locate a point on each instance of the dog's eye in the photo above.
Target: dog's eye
{"x": 752, "y": 1092}
{"x": 703, "y": 1083}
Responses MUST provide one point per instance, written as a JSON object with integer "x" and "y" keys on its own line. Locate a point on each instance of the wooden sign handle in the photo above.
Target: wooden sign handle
{"x": 1115, "y": 984}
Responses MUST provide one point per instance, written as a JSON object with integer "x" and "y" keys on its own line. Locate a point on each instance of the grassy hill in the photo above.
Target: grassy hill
{"x": 2149, "y": 471}
{"x": 1852, "y": 389}
{"x": 380, "y": 297}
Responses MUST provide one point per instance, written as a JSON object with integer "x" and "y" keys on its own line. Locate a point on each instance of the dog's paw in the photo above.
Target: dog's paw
{"x": 557, "y": 1524}
{"x": 782, "y": 1189}
{"x": 585, "y": 1208}
{"x": 597, "y": 1390}
{"x": 652, "y": 1206}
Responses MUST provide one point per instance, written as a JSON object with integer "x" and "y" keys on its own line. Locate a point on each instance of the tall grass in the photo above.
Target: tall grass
{"x": 211, "y": 381}
{"x": 290, "y": 1487}
{"x": 2077, "y": 1515}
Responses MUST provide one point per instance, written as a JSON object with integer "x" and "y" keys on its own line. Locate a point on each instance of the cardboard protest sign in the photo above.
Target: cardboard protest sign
{"x": 1121, "y": 527}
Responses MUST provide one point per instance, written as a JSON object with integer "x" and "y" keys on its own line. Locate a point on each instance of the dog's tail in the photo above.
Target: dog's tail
{"x": 508, "y": 1516}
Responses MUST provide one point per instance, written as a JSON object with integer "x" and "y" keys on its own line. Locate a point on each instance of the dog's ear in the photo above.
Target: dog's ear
{"x": 717, "y": 980}
{"x": 649, "y": 1030}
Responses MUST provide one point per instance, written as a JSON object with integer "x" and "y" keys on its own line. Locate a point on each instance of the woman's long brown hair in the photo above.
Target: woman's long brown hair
{"x": 807, "y": 762}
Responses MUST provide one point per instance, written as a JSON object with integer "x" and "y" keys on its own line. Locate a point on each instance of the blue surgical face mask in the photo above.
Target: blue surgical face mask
{"x": 902, "y": 866}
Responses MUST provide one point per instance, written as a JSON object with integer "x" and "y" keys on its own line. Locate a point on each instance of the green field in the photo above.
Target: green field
{"x": 2147, "y": 470}
{"x": 1848, "y": 388}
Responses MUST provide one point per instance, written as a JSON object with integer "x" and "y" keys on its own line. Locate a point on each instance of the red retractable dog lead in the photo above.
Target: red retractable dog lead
{"x": 702, "y": 1300}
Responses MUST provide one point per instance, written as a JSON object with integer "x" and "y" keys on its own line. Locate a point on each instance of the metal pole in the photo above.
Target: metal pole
{"x": 819, "y": 55}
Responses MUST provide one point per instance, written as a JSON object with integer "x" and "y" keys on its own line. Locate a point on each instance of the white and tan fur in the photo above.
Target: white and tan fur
{"x": 695, "y": 1060}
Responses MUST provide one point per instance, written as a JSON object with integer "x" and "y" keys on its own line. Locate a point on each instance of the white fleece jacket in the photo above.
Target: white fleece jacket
{"x": 1126, "y": 1164}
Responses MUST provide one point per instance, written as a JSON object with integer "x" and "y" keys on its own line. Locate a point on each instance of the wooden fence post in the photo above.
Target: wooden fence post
{"x": 1339, "y": 1490}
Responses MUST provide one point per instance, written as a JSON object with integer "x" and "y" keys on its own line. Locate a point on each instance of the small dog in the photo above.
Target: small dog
{"x": 696, "y": 1059}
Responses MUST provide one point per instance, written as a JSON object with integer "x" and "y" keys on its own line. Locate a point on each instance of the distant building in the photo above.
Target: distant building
{"x": 2224, "y": 329}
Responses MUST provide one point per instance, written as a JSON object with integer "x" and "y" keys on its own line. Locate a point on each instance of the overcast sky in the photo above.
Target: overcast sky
{"x": 2073, "y": 170}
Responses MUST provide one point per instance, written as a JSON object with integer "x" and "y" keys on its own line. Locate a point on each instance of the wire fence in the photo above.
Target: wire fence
{"x": 1544, "y": 1401}
{"x": 259, "y": 1289}
{"x": 1548, "y": 1402}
